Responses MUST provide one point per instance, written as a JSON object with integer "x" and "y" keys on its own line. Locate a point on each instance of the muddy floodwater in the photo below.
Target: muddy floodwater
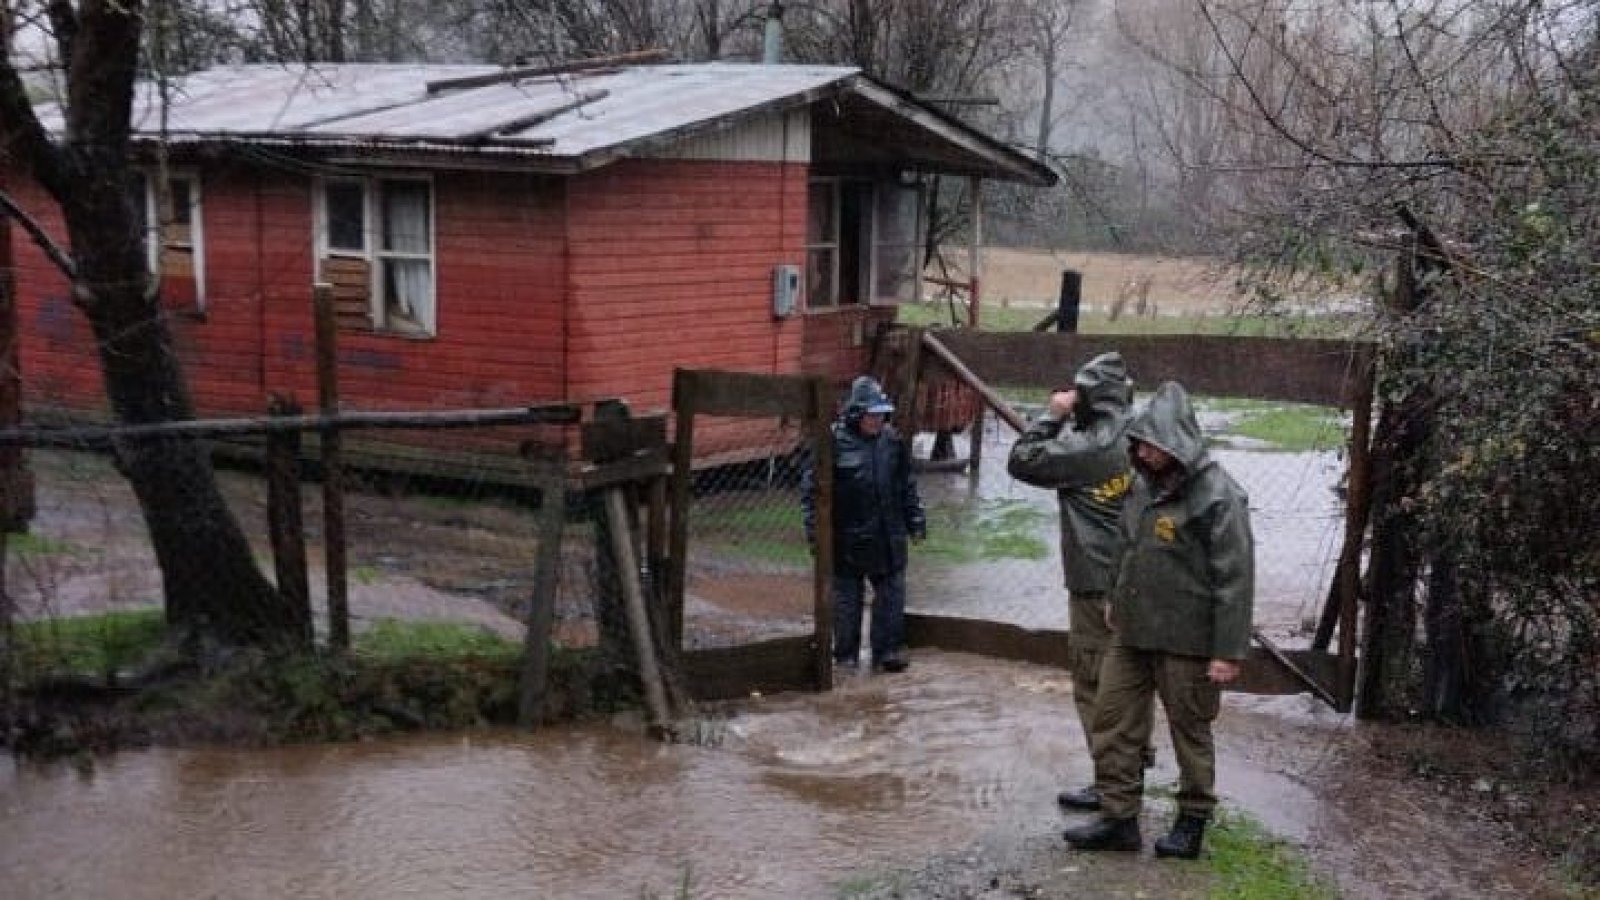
{"x": 790, "y": 796}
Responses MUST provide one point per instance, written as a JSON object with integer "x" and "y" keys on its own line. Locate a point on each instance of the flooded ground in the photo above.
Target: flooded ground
{"x": 1296, "y": 517}
{"x": 798, "y": 796}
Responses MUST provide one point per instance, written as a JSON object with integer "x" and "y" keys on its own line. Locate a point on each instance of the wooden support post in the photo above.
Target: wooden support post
{"x": 1069, "y": 302}
{"x": 546, "y": 581}
{"x": 622, "y": 546}
{"x": 975, "y": 253}
{"x": 285, "y": 522}
{"x": 975, "y": 447}
{"x": 684, "y": 400}
{"x": 1358, "y": 503}
{"x": 820, "y": 435}
{"x": 333, "y": 530}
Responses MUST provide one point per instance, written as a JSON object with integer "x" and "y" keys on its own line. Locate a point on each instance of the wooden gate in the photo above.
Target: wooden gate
{"x": 712, "y": 450}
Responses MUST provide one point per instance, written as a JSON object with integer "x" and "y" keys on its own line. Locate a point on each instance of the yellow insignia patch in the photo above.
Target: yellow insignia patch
{"x": 1113, "y": 488}
{"x": 1166, "y": 529}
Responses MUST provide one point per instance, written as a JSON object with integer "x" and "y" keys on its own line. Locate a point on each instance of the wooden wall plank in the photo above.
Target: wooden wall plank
{"x": 1305, "y": 371}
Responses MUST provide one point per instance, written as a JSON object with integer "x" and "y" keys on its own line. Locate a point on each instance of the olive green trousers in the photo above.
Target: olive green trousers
{"x": 1124, "y": 717}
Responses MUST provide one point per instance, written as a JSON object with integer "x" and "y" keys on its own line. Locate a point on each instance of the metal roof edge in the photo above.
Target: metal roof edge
{"x": 602, "y": 156}
{"x": 1025, "y": 168}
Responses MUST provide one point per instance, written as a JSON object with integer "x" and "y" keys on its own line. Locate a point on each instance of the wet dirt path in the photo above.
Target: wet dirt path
{"x": 799, "y": 795}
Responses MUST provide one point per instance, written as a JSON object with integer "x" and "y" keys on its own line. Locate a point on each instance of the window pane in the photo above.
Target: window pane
{"x": 406, "y": 227}
{"x": 819, "y": 278}
{"x": 408, "y": 295}
{"x": 821, "y": 216}
{"x": 347, "y": 216}
{"x": 897, "y": 248}
{"x": 897, "y": 214}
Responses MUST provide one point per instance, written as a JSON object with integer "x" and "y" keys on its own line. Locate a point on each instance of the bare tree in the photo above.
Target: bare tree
{"x": 212, "y": 586}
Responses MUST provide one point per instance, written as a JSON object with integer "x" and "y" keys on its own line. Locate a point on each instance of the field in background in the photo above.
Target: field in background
{"x": 1134, "y": 294}
{"x": 1177, "y": 285}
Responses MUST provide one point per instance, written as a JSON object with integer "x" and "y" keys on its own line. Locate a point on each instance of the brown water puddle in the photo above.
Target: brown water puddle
{"x": 790, "y": 796}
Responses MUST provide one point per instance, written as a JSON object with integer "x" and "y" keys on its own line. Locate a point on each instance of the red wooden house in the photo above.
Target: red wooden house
{"x": 499, "y": 237}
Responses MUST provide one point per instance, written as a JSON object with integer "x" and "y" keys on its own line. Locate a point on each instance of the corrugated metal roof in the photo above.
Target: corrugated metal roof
{"x": 585, "y": 117}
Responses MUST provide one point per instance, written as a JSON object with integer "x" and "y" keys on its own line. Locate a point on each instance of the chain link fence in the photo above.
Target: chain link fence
{"x": 993, "y": 550}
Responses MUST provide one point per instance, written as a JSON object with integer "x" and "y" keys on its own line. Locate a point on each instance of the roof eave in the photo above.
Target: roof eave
{"x": 1005, "y": 161}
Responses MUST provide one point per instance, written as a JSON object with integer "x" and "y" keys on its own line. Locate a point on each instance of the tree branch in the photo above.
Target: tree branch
{"x": 57, "y": 255}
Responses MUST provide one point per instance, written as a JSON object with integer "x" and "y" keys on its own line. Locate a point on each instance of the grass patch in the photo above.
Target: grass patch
{"x": 95, "y": 646}
{"x": 764, "y": 527}
{"x": 396, "y": 640}
{"x": 1285, "y": 427}
{"x": 991, "y": 530}
{"x": 1248, "y": 863}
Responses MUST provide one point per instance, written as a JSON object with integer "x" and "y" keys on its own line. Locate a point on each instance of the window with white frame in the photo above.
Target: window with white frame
{"x": 170, "y": 220}
{"x": 375, "y": 238}
{"x": 862, "y": 242}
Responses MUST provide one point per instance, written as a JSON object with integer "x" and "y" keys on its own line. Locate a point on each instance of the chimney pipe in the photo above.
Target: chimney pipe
{"x": 772, "y": 42}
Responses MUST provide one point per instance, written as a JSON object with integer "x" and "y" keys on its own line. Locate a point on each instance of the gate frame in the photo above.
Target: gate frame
{"x": 1322, "y": 371}
{"x": 783, "y": 664}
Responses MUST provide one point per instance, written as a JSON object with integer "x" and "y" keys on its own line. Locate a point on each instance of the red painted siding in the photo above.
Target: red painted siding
{"x": 500, "y": 275}
{"x": 671, "y": 265}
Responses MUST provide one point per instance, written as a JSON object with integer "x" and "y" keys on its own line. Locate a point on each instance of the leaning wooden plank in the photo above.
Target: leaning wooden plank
{"x": 622, "y": 546}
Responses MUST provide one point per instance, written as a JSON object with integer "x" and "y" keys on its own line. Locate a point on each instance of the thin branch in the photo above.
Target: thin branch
{"x": 57, "y": 255}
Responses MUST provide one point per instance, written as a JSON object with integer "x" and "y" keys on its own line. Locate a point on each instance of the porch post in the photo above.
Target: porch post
{"x": 975, "y": 250}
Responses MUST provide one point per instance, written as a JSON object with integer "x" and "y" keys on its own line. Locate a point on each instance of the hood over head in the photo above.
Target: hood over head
{"x": 1170, "y": 424}
{"x": 1103, "y": 383}
{"x": 867, "y": 396}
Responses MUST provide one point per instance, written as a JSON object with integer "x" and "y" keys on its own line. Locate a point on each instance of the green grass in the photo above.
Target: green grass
{"x": 995, "y": 318}
{"x": 1248, "y": 863}
{"x": 989, "y": 531}
{"x": 1286, "y": 427}
{"x": 96, "y": 646}
{"x": 395, "y": 640}
{"x": 764, "y": 527}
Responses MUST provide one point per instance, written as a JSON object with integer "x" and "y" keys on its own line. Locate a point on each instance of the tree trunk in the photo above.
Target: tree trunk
{"x": 212, "y": 585}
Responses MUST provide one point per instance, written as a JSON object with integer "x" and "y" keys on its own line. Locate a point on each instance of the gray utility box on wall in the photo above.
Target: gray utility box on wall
{"x": 785, "y": 290}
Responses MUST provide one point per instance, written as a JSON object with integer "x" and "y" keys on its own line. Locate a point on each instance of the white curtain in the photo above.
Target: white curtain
{"x": 408, "y": 280}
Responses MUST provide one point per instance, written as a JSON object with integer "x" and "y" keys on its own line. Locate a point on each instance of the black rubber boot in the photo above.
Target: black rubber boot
{"x": 1087, "y": 799}
{"x": 1183, "y": 841}
{"x": 1105, "y": 834}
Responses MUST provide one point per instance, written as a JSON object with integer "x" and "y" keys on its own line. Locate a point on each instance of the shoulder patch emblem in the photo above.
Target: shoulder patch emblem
{"x": 1166, "y": 529}
{"x": 1113, "y": 488}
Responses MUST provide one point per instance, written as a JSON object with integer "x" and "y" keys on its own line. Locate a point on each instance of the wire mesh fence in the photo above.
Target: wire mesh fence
{"x": 993, "y": 548}
{"x": 748, "y": 571}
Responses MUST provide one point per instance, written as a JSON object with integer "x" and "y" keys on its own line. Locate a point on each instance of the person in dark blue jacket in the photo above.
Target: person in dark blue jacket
{"x": 876, "y": 511}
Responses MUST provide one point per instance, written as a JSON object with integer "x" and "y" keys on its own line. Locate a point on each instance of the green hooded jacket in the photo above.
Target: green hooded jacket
{"x": 1186, "y": 582}
{"x": 1086, "y": 462}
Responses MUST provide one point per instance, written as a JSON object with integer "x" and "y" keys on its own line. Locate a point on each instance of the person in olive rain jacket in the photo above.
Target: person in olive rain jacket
{"x": 876, "y": 511}
{"x": 1079, "y": 447}
{"x": 1180, "y": 614}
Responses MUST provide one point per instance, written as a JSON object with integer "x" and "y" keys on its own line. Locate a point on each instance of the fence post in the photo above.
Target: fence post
{"x": 546, "y": 582}
{"x": 683, "y": 404}
{"x": 1069, "y": 302}
{"x": 818, "y": 420}
{"x": 333, "y": 535}
{"x": 285, "y": 521}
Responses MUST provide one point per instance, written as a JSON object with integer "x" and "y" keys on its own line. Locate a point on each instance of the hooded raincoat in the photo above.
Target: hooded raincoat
{"x": 1086, "y": 461}
{"x": 1186, "y": 581}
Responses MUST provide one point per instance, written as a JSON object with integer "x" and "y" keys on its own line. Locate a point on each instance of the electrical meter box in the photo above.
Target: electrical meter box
{"x": 785, "y": 290}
